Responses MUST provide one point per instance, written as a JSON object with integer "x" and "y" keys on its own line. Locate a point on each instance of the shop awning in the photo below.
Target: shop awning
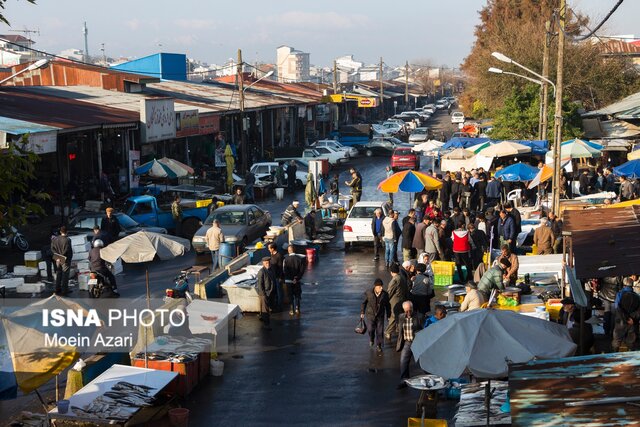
{"x": 20, "y": 127}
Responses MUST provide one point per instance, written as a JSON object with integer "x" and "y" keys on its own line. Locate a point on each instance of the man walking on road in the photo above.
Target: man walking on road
{"x": 176, "y": 213}
{"x": 408, "y": 233}
{"x": 111, "y": 226}
{"x": 374, "y": 309}
{"x": 378, "y": 232}
{"x": 266, "y": 286}
{"x": 62, "y": 254}
{"x": 293, "y": 267}
{"x": 276, "y": 263}
{"x": 409, "y": 323}
{"x": 543, "y": 238}
{"x": 356, "y": 186}
{"x": 214, "y": 237}
{"x": 398, "y": 292}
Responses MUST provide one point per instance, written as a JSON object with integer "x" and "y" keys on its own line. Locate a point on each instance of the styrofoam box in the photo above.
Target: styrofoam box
{"x": 79, "y": 239}
{"x": 83, "y": 265}
{"x": 84, "y": 247}
{"x": 33, "y": 256}
{"x": 3, "y": 269}
{"x": 80, "y": 256}
{"x": 30, "y": 288}
{"x": 12, "y": 282}
{"x": 83, "y": 281}
{"x": 42, "y": 266}
{"x": 21, "y": 270}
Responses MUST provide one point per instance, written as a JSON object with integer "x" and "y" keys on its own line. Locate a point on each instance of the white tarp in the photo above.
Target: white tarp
{"x": 477, "y": 161}
{"x": 143, "y": 246}
{"x": 484, "y": 342}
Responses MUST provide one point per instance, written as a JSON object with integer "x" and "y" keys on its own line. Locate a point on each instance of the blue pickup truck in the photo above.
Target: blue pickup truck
{"x": 145, "y": 210}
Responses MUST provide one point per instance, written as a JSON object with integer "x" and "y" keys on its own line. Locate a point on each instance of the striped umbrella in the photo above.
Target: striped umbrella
{"x": 164, "y": 168}
{"x": 578, "y": 149}
{"x": 409, "y": 182}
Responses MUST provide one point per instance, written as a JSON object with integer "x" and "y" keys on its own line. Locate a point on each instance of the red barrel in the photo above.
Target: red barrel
{"x": 311, "y": 255}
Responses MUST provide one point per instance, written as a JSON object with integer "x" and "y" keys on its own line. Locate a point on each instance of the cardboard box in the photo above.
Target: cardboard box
{"x": 12, "y": 282}
{"x": 80, "y": 256}
{"x": 31, "y": 288}
{"x": 21, "y": 270}
{"x": 33, "y": 256}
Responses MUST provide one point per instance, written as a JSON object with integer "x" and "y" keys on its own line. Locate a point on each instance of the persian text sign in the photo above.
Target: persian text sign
{"x": 209, "y": 124}
{"x": 158, "y": 119}
{"x": 187, "y": 123}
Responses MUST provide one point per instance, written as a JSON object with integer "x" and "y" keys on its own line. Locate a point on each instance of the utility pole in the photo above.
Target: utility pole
{"x": 104, "y": 55}
{"x": 381, "y": 90}
{"x": 335, "y": 77}
{"x": 243, "y": 140}
{"x": 406, "y": 83}
{"x": 85, "y": 33}
{"x": 557, "y": 125}
{"x": 544, "y": 101}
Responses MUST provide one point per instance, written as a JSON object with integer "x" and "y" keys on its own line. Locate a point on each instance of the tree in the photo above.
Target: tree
{"x": 518, "y": 118}
{"x": 516, "y": 28}
{"x": 2, "y": 18}
{"x": 18, "y": 197}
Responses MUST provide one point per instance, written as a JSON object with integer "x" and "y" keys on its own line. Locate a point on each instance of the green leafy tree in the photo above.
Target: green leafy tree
{"x": 519, "y": 117}
{"x": 2, "y": 8}
{"x": 18, "y": 197}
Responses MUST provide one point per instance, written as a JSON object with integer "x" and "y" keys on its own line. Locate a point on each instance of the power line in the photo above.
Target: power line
{"x": 597, "y": 27}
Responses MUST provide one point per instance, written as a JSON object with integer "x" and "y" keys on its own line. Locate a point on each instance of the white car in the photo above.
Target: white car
{"x": 357, "y": 226}
{"x": 420, "y": 135}
{"x": 351, "y": 151}
{"x": 457, "y": 117}
{"x": 334, "y": 156}
{"x": 265, "y": 170}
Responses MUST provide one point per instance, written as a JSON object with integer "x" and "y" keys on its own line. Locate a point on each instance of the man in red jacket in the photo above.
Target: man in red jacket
{"x": 462, "y": 246}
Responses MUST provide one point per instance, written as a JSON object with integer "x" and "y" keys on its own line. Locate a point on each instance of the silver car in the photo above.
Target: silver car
{"x": 239, "y": 223}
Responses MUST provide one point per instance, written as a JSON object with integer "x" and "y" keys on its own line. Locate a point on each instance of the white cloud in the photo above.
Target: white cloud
{"x": 133, "y": 24}
{"x": 196, "y": 24}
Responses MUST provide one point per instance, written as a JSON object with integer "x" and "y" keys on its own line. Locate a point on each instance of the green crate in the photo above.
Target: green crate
{"x": 441, "y": 280}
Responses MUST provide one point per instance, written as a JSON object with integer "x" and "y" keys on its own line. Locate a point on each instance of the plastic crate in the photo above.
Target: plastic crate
{"x": 442, "y": 280}
{"x": 443, "y": 268}
{"x": 203, "y": 203}
{"x": 427, "y": 422}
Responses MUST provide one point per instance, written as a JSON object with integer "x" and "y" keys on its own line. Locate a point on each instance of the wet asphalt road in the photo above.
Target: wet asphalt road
{"x": 312, "y": 370}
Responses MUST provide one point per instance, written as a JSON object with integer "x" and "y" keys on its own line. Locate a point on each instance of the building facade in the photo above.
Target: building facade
{"x": 293, "y": 65}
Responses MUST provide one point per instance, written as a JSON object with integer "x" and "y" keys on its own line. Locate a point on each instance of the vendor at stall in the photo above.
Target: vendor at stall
{"x": 494, "y": 278}
{"x": 511, "y": 273}
{"x": 576, "y": 321}
{"x": 473, "y": 300}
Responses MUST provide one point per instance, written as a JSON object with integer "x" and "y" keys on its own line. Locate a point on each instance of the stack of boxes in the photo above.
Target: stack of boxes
{"x": 26, "y": 276}
{"x": 443, "y": 272}
{"x": 80, "y": 260}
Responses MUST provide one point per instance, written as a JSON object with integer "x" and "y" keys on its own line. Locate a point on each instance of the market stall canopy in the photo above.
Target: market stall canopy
{"x": 409, "y": 182}
{"x": 631, "y": 169}
{"x": 478, "y": 147}
{"x": 143, "y": 246}
{"x": 517, "y": 172}
{"x": 544, "y": 174}
{"x": 459, "y": 154}
{"x": 578, "y": 149}
{"x": 505, "y": 149}
{"x": 429, "y": 145}
{"x": 635, "y": 154}
{"x": 462, "y": 142}
{"x": 164, "y": 168}
{"x": 484, "y": 342}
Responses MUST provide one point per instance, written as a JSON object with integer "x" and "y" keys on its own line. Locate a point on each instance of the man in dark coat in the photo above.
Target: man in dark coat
{"x": 481, "y": 191}
{"x": 276, "y": 266}
{"x": 507, "y": 230}
{"x": 455, "y": 192}
{"x": 408, "y": 233}
{"x": 374, "y": 310}
{"x": 294, "y": 268}
{"x": 409, "y": 323}
{"x": 62, "y": 254}
{"x": 418, "y": 236}
{"x": 445, "y": 192}
{"x": 111, "y": 226}
{"x": 249, "y": 180}
{"x": 584, "y": 182}
{"x": 378, "y": 231}
{"x": 266, "y": 285}
{"x": 576, "y": 320}
{"x": 398, "y": 293}
{"x": 98, "y": 265}
{"x": 515, "y": 214}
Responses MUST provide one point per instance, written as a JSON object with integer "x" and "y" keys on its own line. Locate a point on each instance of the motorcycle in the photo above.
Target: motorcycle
{"x": 99, "y": 286}
{"x": 180, "y": 288}
{"x": 12, "y": 238}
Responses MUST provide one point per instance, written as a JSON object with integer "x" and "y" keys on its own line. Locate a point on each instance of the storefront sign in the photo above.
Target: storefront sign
{"x": 209, "y": 124}
{"x": 187, "y": 123}
{"x": 38, "y": 142}
{"x": 158, "y": 119}
{"x": 367, "y": 102}
{"x": 134, "y": 162}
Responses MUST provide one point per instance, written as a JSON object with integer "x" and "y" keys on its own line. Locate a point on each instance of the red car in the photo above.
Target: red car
{"x": 404, "y": 158}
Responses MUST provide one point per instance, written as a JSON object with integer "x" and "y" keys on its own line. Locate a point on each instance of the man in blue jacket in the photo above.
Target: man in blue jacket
{"x": 507, "y": 230}
{"x": 378, "y": 232}
{"x": 494, "y": 190}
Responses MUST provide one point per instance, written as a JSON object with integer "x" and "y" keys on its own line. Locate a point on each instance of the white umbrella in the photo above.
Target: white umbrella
{"x": 504, "y": 149}
{"x": 429, "y": 145}
{"x": 577, "y": 149}
{"x": 484, "y": 342}
{"x": 459, "y": 154}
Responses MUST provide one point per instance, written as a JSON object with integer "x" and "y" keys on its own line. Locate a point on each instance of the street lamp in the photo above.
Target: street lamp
{"x": 540, "y": 82}
{"x": 269, "y": 74}
{"x": 38, "y": 64}
{"x": 501, "y": 57}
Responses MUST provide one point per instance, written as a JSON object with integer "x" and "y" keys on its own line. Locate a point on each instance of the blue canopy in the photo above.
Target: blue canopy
{"x": 538, "y": 147}
{"x": 589, "y": 143}
{"x": 518, "y": 172}
{"x": 631, "y": 169}
{"x": 462, "y": 142}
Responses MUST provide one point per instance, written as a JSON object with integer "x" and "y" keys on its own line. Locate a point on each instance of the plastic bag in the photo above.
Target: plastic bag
{"x": 361, "y": 327}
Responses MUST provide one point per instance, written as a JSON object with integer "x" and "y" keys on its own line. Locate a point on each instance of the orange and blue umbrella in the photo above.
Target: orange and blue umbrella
{"x": 410, "y": 182}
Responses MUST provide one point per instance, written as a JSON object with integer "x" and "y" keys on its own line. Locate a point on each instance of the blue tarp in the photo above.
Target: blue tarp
{"x": 462, "y": 142}
{"x": 518, "y": 172}
{"x": 631, "y": 169}
{"x": 538, "y": 147}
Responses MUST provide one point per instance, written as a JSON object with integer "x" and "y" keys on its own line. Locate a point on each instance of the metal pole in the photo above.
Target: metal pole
{"x": 243, "y": 140}
{"x": 545, "y": 85}
{"x": 406, "y": 83}
{"x": 335, "y": 77}
{"x": 557, "y": 128}
{"x": 381, "y": 90}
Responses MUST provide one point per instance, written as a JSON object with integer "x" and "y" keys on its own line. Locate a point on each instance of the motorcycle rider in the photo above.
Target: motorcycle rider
{"x": 98, "y": 265}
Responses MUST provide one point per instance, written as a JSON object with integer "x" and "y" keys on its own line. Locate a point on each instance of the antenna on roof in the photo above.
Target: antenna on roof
{"x": 85, "y": 33}
{"x": 27, "y": 33}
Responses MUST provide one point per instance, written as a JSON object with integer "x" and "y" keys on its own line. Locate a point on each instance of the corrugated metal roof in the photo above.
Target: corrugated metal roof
{"x": 539, "y": 390}
{"x": 618, "y": 47}
{"x": 20, "y": 127}
{"x": 605, "y": 241}
{"x": 625, "y": 109}
{"x": 23, "y": 103}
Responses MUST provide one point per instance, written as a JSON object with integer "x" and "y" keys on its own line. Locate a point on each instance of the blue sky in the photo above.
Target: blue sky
{"x": 437, "y": 30}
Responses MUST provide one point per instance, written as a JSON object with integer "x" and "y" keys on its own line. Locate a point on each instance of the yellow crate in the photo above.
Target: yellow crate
{"x": 203, "y": 203}
{"x": 428, "y": 422}
{"x": 553, "y": 307}
{"x": 443, "y": 268}
{"x": 33, "y": 264}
